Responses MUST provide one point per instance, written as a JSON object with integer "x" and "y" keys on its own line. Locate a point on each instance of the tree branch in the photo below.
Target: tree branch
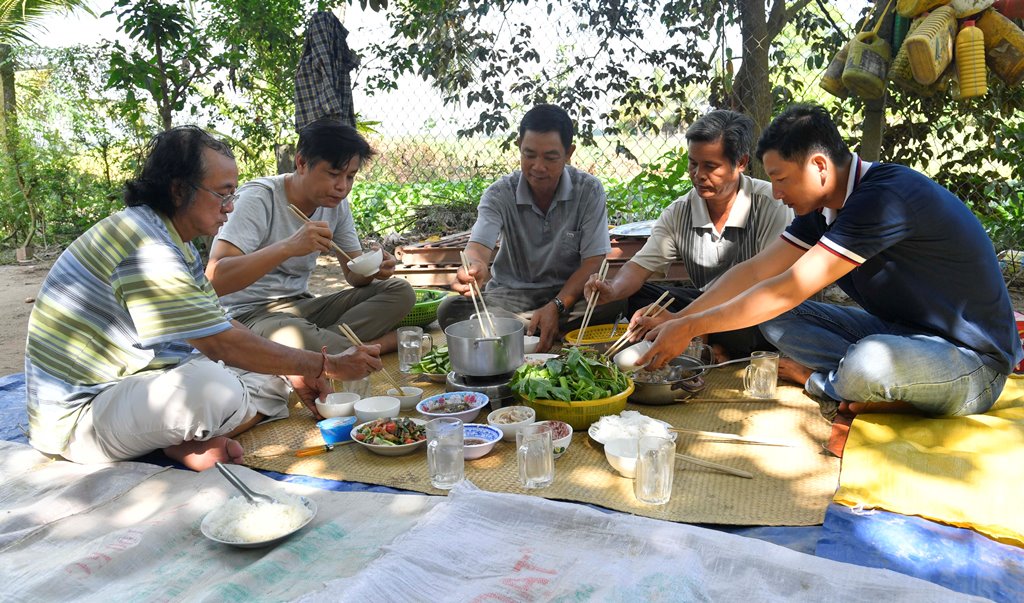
{"x": 781, "y": 14}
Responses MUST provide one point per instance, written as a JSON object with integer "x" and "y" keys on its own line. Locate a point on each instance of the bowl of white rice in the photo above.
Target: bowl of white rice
{"x": 243, "y": 524}
{"x": 629, "y": 424}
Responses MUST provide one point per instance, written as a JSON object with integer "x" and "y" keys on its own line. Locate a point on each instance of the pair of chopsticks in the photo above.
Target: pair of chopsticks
{"x": 653, "y": 310}
{"x": 304, "y": 218}
{"x": 474, "y": 293}
{"x": 717, "y": 435}
{"x": 592, "y": 302}
{"x": 723, "y": 468}
{"x": 348, "y": 332}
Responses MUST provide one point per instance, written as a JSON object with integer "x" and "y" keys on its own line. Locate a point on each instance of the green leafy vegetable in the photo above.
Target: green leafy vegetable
{"x": 577, "y": 374}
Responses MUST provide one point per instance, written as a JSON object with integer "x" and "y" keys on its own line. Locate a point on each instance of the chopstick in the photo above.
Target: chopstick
{"x": 723, "y": 468}
{"x": 592, "y": 302}
{"x": 652, "y": 311}
{"x": 347, "y": 330}
{"x": 733, "y": 437}
{"x": 474, "y": 293}
{"x": 304, "y": 218}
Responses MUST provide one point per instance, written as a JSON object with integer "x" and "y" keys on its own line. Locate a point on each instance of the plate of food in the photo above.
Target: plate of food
{"x": 538, "y": 359}
{"x": 434, "y": 366}
{"x": 395, "y": 436}
{"x": 628, "y": 424}
{"x": 251, "y": 525}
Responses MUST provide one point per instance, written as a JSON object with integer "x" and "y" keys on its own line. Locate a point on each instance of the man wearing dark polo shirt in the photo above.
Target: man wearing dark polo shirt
{"x": 553, "y": 226}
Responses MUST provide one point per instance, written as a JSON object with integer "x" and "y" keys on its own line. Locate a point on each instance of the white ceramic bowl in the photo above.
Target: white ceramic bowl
{"x": 377, "y": 407}
{"x": 621, "y": 454}
{"x": 440, "y": 405}
{"x": 626, "y": 359}
{"x": 408, "y": 397}
{"x": 367, "y": 264}
{"x": 475, "y": 431}
{"x": 397, "y": 450}
{"x": 509, "y": 430}
{"x": 338, "y": 404}
{"x": 560, "y": 445}
{"x": 537, "y": 359}
{"x": 530, "y": 343}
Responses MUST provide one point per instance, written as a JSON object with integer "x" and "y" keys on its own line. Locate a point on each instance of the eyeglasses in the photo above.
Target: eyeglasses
{"x": 225, "y": 200}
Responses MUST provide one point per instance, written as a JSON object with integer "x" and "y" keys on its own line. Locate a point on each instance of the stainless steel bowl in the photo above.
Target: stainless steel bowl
{"x": 681, "y": 382}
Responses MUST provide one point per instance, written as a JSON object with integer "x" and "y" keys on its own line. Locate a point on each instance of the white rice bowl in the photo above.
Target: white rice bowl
{"x": 628, "y": 424}
{"x": 238, "y": 521}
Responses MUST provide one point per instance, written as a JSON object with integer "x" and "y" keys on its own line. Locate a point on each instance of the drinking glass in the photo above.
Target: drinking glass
{"x": 356, "y": 386}
{"x": 655, "y": 464}
{"x": 535, "y": 456}
{"x": 412, "y": 342}
{"x": 762, "y": 375}
{"x": 445, "y": 459}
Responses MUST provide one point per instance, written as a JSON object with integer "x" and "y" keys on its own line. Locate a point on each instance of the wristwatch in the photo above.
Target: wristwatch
{"x": 559, "y": 305}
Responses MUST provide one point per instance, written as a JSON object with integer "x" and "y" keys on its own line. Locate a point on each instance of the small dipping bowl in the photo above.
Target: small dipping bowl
{"x": 478, "y": 440}
{"x": 500, "y": 419}
{"x": 377, "y": 407}
{"x": 338, "y": 404}
{"x": 408, "y": 397}
{"x": 530, "y": 343}
{"x": 560, "y": 444}
{"x": 336, "y": 430}
{"x": 621, "y": 454}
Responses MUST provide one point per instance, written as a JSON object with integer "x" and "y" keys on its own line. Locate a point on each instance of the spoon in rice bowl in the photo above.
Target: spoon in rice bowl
{"x": 253, "y": 497}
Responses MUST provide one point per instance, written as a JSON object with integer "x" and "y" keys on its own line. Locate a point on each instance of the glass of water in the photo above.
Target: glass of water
{"x": 412, "y": 343}
{"x": 655, "y": 466}
{"x": 445, "y": 459}
{"x": 535, "y": 456}
{"x": 762, "y": 375}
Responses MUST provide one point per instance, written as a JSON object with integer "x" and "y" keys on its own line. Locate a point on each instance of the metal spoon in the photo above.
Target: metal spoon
{"x": 252, "y": 497}
{"x": 711, "y": 366}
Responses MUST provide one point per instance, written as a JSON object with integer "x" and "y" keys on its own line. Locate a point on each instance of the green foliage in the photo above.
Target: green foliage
{"x": 171, "y": 55}
{"x": 17, "y": 17}
{"x": 645, "y": 195}
{"x": 423, "y": 208}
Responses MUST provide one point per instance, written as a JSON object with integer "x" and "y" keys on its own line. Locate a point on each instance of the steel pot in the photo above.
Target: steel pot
{"x": 474, "y": 355}
{"x": 682, "y": 382}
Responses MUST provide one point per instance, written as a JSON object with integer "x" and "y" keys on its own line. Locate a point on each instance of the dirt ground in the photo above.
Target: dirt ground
{"x": 19, "y": 285}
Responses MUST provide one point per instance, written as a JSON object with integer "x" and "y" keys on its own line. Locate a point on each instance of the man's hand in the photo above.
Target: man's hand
{"x": 387, "y": 267}
{"x": 310, "y": 390}
{"x": 310, "y": 237}
{"x": 670, "y": 338}
{"x": 478, "y": 271}
{"x": 641, "y": 324}
{"x": 354, "y": 363}
{"x": 604, "y": 288}
{"x": 546, "y": 319}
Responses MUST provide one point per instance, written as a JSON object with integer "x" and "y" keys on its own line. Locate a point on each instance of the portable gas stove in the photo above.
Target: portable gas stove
{"x": 494, "y": 387}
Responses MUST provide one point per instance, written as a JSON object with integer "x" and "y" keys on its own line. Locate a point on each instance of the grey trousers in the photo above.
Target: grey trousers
{"x": 313, "y": 322}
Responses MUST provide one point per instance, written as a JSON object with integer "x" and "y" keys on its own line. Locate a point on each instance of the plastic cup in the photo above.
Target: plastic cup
{"x": 655, "y": 466}
{"x": 445, "y": 459}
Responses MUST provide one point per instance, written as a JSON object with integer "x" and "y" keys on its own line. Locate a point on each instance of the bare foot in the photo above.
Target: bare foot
{"x": 858, "y": 408}
{"x": 791, "y": 370}
{"x": 388, "y": 342}
{"x": 201, "y": 455}
{"x": 719, "y": 353}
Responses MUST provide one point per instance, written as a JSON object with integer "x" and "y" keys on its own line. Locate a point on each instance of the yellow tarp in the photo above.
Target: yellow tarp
{"x": 962, "y": 471}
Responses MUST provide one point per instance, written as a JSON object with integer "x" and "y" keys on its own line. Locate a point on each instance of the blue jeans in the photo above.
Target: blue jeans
{"x": 857, "y": 357}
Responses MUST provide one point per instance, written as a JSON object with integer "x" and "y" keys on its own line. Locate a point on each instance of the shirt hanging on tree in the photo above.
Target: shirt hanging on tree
{"x": 323, "y": 86}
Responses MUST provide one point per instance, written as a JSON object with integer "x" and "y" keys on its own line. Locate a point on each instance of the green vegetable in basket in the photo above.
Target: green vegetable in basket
{"x": 435, "y": 362}
{"x": 577, "y": 374}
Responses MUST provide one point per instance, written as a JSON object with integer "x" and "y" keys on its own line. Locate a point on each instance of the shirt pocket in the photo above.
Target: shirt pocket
{"x": 569, "y": 246}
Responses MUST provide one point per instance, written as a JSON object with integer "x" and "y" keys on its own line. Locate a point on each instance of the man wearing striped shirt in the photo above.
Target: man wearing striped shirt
{"x": 128, "y": 349}
{"x": 934, "y": 332}
{"x": 727, "y": 218}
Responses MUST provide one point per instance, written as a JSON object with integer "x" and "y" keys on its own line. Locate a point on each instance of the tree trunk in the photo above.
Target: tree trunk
{"x": 752, "y": 93}
{"x": 7, "y": 113}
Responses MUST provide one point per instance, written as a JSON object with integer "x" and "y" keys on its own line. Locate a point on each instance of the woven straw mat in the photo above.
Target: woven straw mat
{"x": 791, "y": 485}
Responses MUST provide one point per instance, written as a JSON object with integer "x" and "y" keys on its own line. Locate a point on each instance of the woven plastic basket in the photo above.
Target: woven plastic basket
{"x": 425, "y": 310}
{"x": 580, "y": 414}
{"x": 595, "y": 334}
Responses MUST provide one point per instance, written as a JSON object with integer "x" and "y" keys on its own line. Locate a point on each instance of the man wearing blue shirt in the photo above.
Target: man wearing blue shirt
{"x": 934, "y": 332}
